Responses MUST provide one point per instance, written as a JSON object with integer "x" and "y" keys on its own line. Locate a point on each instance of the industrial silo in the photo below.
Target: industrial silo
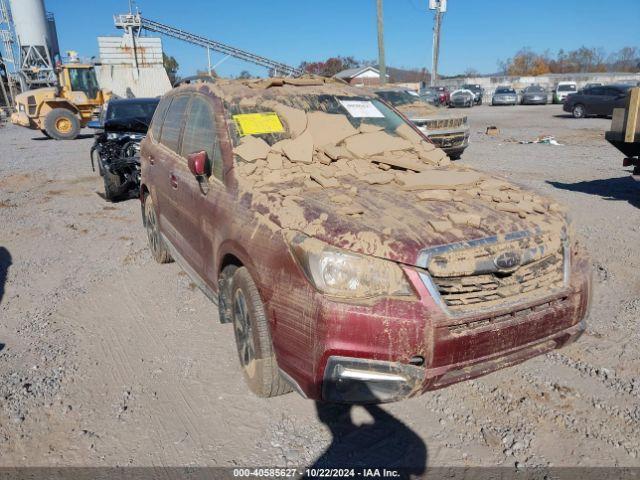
{"x": 34, "y": 33}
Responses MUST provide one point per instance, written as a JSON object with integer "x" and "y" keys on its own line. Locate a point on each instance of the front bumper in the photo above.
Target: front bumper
{"x": 398, "y": 349}
{"x": 534, "y": 101}
{"x": 452, "y": 141}
{"x": 504, "y": 101}
{"x": 358, "y": 380}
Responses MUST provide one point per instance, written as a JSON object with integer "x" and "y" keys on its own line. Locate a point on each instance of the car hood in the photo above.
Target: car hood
{"x": 421, "y": 112}
{"x": 395, "y": 224}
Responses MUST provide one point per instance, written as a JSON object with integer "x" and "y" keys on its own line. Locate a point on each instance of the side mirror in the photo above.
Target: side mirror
{"x": 197, "y": 163}
{"x": 95, "y": 124}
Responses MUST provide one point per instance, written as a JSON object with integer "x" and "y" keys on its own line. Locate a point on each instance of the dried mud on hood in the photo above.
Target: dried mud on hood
{"x": 359, "y": 186}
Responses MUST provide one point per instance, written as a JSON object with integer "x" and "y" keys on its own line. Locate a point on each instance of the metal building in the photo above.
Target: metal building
{"x": 131, "y": 66}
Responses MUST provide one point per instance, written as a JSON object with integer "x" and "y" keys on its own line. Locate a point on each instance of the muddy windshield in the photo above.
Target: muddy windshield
{"x": 287, "y": 117}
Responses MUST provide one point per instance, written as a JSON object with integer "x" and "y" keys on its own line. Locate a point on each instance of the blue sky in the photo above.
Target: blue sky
{"x": 476, "y": 34}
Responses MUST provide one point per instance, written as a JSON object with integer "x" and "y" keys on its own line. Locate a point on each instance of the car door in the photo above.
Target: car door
{"x": 597, "y": 101}
{"x": 617, "y": 99}
{"x": 199, "y": 196}
{"x": 166, "y": 163}
{"x": 608, "y": 99}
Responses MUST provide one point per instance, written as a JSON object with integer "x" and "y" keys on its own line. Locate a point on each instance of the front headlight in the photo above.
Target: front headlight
{"x": 21, "y": 107}
{"x": 340, "y": 273}
{"x": 113, "y": 136}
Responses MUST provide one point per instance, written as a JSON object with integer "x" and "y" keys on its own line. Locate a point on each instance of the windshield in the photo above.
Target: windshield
{"x": 506, "y": 90}
{"x": 473, "y": 88}
{"x": 398, "y": 98}
{"x": 534, "y": 89}
{"x": 142, "y": 110}
{"x": 566, "y": 88}
{"x": 84, "y": 80}
{"x": 346, "y": 116}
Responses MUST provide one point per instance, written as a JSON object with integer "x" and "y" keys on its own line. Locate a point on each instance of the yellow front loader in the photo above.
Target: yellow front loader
{"x": 60, "y": 112}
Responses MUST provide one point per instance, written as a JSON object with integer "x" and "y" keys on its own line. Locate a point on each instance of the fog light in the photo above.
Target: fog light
{"x": 356, "y": 380}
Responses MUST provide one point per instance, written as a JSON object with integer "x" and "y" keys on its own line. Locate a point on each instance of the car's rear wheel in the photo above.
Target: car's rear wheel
{"x": 157, "y": 246}
{"x": 253, "y": 340}
{"x": 579, "y": 111}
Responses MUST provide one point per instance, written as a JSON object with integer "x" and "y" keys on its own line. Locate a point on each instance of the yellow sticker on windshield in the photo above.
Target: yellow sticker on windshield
{"x": 258, "y": 123}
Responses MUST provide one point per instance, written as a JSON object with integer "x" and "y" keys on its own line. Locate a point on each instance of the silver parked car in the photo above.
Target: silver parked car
{"x": 504, "y": 96}
{"x": 462, "y": 98}
{"x": 534, "y": 95}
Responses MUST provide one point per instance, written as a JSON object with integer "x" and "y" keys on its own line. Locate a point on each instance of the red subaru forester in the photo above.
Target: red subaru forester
{"x": 354, "y": 260}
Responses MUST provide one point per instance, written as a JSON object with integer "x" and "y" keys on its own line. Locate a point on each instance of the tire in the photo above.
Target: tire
{"x": 159, "y": 250}
{"x": 579, "y": 111}
{"x": 61, "y": 124}
{"x": 113, "y": 189}
{"x": 253, "y": 340}
{"x": 480, "y": 102}
{"x": 225, "y": 303}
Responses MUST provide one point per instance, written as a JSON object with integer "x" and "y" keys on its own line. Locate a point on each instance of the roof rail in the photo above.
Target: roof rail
{"x": 194, "y": 79}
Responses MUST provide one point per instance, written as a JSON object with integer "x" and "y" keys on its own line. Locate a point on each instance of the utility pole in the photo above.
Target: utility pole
{"x": 440, "y": 6}
{"x": 381, "y": 64}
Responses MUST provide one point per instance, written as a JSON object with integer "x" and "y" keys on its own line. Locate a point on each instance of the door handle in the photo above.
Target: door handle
{"x": 152, "y": 160}
{"x": 173, "y": 180}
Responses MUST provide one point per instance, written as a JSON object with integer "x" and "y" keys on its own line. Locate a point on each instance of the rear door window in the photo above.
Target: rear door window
{"x": 200, "y": 134}
{"x": 597, "y": 91}
{"x": 612, "y": 92}
{"x": 158, "y": 118}
{"x": 173, "y": 121}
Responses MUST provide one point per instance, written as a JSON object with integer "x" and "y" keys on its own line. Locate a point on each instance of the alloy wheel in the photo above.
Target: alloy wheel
{"x": 243, "y": 329}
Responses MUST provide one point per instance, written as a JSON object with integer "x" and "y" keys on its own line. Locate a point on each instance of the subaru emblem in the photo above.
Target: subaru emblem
{"x": 508, "y": 261}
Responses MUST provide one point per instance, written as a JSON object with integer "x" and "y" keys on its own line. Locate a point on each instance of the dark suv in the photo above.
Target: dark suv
{"x": 354, "y": 260}
{"x": 599, "y": 100}
{"x": 122, "y": 125}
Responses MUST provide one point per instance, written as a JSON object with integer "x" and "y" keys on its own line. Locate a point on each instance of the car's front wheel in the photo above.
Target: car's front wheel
{"x": 579, "y": 111}
{"x": 253, "y": 340}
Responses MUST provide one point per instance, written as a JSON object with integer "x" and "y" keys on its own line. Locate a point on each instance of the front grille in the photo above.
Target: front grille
{"x": 466, "y": 279}
{"x": 494, "y": 287}
{"x": 444, "y": 123}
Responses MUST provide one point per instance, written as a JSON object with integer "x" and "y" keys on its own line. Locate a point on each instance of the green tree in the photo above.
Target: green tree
{"x": 171, "y": 65}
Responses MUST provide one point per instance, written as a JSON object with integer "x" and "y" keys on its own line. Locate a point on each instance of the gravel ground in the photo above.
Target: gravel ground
{"x": 110, "y": 359}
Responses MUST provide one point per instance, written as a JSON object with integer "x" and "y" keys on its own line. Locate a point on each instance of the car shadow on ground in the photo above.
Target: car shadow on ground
{"x": 82, "y": 136}
{"x": 621, "y": 188}
{"x": 5, "y": 263}
{"x": 385, "y": 443}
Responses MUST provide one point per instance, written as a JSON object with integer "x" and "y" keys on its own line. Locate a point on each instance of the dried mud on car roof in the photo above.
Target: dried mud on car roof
{"x": 333, "y": 145}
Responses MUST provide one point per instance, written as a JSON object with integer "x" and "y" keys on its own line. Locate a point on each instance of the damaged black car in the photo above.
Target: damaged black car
{"x": 121, "y": 127}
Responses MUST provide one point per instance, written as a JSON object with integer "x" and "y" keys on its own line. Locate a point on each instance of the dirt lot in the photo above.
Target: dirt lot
{"x": 110, "y": 359}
